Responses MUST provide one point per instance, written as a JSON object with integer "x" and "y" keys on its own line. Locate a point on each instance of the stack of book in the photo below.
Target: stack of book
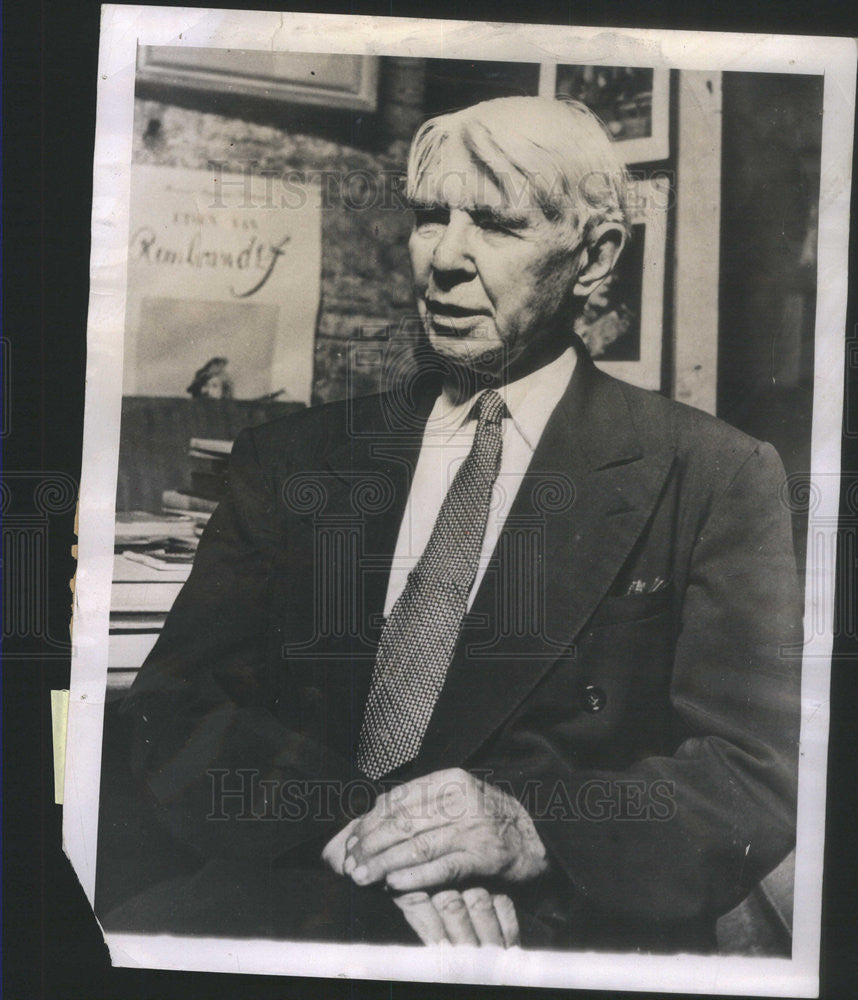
{"x": 153, "y": 555}
{"x": 141, "y": 529}
{"x": 208, "y": 460}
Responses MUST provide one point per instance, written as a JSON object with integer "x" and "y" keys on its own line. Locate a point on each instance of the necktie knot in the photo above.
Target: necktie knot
{"x": 490, "y": 408}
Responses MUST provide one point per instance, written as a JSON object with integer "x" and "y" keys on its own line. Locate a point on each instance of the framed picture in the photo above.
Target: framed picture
{"x": 339, "y": 81}
{"x": 633, "y": 102}
{"x": 622, "y": 322}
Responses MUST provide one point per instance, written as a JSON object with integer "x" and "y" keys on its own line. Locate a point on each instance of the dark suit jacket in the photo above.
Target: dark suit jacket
{"x": 629, "y": 667}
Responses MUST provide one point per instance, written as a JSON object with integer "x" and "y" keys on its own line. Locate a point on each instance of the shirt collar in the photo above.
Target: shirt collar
{"x": 530, "y": 401}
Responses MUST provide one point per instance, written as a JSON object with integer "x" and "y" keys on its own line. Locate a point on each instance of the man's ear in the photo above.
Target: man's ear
{"x": 599, "y": 257}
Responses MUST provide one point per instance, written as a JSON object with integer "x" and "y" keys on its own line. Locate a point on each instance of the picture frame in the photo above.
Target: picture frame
{"x": 349, "y": 83}
{"x": 622, "y": 322}
{"x": 633, "y": 102}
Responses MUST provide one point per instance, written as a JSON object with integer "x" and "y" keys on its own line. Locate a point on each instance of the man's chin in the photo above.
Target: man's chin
{"x": 481, "y": 356}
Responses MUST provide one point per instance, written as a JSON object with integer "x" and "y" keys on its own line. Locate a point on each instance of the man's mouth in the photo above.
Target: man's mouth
{"x": 452, "y": 317}
{"x": 451, "y": 309}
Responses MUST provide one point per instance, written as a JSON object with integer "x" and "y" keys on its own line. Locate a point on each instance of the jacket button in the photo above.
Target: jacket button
{"x": 593, "y": 698}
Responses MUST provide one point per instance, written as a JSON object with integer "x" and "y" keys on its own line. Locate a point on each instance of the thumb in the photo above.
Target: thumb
{"x": 334, "y": 852}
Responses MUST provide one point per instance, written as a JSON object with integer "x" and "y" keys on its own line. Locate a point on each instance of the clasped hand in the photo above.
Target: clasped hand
{"x": 437, "y": 831}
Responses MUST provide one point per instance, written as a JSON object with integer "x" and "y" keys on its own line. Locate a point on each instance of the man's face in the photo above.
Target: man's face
{"x": 493, "y": 281}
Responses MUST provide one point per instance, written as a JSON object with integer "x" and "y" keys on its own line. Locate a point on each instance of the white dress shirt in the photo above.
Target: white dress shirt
{"x": 447, "y": 440}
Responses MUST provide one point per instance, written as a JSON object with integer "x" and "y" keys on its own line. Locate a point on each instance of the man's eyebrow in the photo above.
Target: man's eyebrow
{"x": 496, "y": 213}
{"x": 492, "y": 213}
{"x": 417, "y": 204}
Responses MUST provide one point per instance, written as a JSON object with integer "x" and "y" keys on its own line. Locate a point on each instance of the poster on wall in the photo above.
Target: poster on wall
{"x": 223, "y": 286}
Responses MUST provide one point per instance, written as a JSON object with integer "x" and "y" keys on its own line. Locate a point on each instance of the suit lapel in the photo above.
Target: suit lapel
{"x": 588, "y": 493}
{"x": 372, "y": 470}
{"x": 350, "y": 501}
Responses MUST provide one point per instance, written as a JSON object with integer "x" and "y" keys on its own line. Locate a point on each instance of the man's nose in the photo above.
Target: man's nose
{"x": 452, "y": 255}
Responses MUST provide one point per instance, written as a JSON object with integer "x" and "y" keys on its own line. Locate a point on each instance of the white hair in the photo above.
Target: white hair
{"x": 555, "y": 152}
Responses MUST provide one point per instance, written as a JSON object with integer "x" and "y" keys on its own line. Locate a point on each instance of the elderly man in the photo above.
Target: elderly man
{"x": 526, "y": 627}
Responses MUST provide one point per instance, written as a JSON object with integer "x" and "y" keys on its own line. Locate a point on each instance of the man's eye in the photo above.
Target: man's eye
{"x": 491, "y": 223}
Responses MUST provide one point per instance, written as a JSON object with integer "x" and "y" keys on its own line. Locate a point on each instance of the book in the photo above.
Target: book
{"x": 211, "y": 446}
{"x": 139, "y": 596}
{"x": 193, "y": 506}
{"x": 136, "y": 621}
{"x": 163, "y": 559}
{"x": 200, "y": 516}
{"x": 138, "y": 526}
{"x": 140, "y": 567}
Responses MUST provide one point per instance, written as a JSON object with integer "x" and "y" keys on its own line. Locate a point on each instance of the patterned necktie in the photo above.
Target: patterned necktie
{"x": 420, "y": 636}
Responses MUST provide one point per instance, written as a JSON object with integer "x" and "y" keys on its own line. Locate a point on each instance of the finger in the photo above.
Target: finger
{"x": 396, "y": 816}
{"x": 422, "y": 916}
{"x": 484, "y": 919}
{"x": 505, "y": 911}
{"x": 456, "y": 919}
{"x": 389, "y": 835}
{"x": 436, "y": 799}
{"x": 387, "y": 806}
{"x": 447, "y": 870}
{"x": 424, "y": 846}
{"x": 334, "y": 852}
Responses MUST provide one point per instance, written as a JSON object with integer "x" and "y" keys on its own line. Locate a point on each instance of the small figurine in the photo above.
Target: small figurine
{"x": 212, "y": 381}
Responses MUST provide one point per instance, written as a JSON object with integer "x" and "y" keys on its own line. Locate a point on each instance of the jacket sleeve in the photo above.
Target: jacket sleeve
{"x": 208, "y": 745}
{"x": 721, "y": 808}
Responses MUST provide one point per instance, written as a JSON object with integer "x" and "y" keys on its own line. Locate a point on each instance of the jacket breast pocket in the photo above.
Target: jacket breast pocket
{"x": 631, "y": 608}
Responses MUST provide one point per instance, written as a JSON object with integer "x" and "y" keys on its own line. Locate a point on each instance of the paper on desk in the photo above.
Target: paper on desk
{"x": 59, "y": 722}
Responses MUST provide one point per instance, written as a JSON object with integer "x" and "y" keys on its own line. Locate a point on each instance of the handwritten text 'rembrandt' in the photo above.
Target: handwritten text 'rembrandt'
{"x": 255, "y": 257}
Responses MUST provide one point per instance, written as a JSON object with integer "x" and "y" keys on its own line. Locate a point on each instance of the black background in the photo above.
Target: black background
{"x": 52, "y": 947}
